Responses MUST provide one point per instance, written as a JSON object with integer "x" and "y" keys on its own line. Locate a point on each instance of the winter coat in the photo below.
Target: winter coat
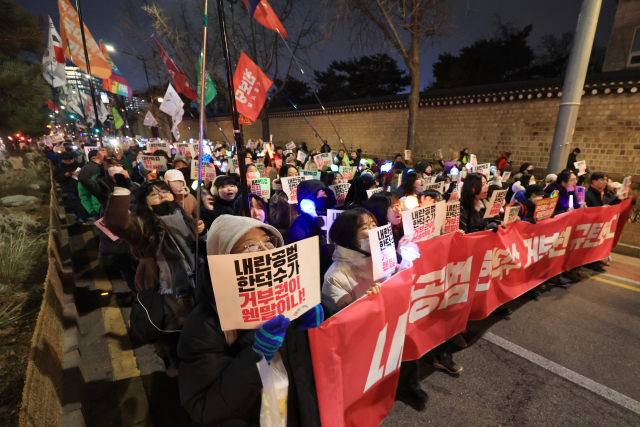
{"x": 610, "y": 198}
{"x": 325, "y": 148}
{"x": 281, "y": 212}
{"x": 68, "y": 183}
{"x": 570, "y": 163}
{"x": 88, "y": 200}
{"x": 221, "y": 207}
{"x": 357, "y": 194}
{"x": 563, "y": 198}
{"x": 527, "y": 207}
{"x": 502, "y": 162}
{"x": 189, "y": 204}
{"x": 594, "y": 197}
{"x": 305, "y": 225}
{"x": 349, "y": 277}
{"x": 219, "y": 381}
{"x": 467, "y": 223}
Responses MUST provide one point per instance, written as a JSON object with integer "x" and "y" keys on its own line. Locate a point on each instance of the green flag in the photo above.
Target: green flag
{"x": 209, "y": 87}
{"x": 117, "y": 120}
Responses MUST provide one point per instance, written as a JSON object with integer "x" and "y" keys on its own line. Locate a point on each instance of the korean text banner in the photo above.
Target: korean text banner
{"x": 251, "y": 288}
{"x": 356, "y": 356}
{"x": 251, "y": 86}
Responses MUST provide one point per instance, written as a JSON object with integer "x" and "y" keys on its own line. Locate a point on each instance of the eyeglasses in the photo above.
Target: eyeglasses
{"x": 396, "y": 208}
{"x": 265, "y": 244}
{"x": 160, "y": 194}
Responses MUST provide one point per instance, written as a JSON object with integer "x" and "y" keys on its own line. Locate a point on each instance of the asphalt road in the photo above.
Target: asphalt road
{"x": 588, "y": 331}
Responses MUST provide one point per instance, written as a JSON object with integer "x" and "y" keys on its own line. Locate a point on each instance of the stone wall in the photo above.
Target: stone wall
{"x": 607, "y": 131}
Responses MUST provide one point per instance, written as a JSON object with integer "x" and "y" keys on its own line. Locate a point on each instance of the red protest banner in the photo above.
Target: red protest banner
{"x": 179, "y": 78}
{"x": 356, "y": 356}
{"x": 251, "y": 86}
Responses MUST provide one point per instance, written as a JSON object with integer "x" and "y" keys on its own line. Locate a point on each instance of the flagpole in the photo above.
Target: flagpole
{"x": 77, "y": 88}
{"x": 86, "y": 58}
{"x": 237, "y": 136}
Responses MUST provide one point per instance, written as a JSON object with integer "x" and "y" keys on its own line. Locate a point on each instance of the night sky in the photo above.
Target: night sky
{"x": 472, "y": 19}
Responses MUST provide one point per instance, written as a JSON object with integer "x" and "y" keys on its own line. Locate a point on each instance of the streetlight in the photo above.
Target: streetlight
{"x": 110, "y": 48}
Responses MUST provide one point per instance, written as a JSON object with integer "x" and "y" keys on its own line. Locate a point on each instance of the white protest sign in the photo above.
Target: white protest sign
{"x": 506, "y": 176}
{"x": 511, "y": 213}
{"x": 208, "y": 172}
{"x": 183, "y": 149}
{"x": 322, "y": 160}
{"x": 340, "y": 191}
{"x": 473, "y": 160}
{"x": 88, "y": 149}
{"x": 332, "y": 214}
{"x": 291, "y": 146}
{"x": 439, "y": 187}
{"x": 57, "y": 138}
{"x": 16, "y": 162}
{"x": 290, "y": 187}
{"x": 545, "y": 208}
{"x": 407, "y": 154}
{"x": 312, "y": 174}
{"x": 252, "y": 144}
{"x": 451, "y": 218}
{"x": 301, "y": 156}
{"x": 580, "y": 193}
{"x": 159, "y": 163}
{"x": 495, "y": 204}
{"x": 626, "y": 184}
{"x": 484, "y": 169}
{"x": 260, "y": 187}
{"x": 425, "y": 222}
{"x": 153, "y": 146}
{"x": 455, "y": 194}
{"x": 374, "y": 191}
{"x": 269, "y": 283}
{"x": 383, "y": 251}
{"x": 429, "y": 179}
{"x": 100, "y": 224}
{"x": 347, "y": 172}
{"x": 581, "y": 166}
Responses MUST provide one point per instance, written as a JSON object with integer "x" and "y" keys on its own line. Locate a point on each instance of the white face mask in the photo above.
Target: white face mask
{"x": 114, "y": 170}
{"x": 365, "y": 245}
{"x": 418, "y": 189}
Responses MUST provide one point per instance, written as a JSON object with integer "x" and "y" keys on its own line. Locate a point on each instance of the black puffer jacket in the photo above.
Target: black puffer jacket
{"x": 219, "y": 382}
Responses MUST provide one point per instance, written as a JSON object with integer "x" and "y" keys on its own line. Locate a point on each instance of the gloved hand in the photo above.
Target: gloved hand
{"x": 312, "y": 318}
{"x": 121, "y": 180}
{"x": 270, "y": 336}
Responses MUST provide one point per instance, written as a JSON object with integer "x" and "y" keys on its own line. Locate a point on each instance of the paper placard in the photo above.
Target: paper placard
{"x": 383, "y": 251}
{"x": 153, "y": 146}
{"x": 322, "y": 160}
{"x": 347, "y": 172}
{"x": 100, "y": 224}
{"x": 439, "y": 187}
{"x": 312, "y": 174}
{"x": 495, "y": 204}
{"x": 484, "y": 169}
{"x": 545, "y": 208}
{"x": 407, "y": 154}
{"x": 425, "y": 222}
{"x": 301, "y": 156}
{"x": 455, "y": 194}
{"x": 260, "y": 187}
{"x": 626, "y": 184}
{"x": 88, "y": 149}
{"x": 252, "y": 301}
{"x": 332, "y": 214}
{"x": 16, "y": 162}
{"x": 374, "y": 191}
{"x": 57, "y": 138}
{"x": 506, "y": 176}
{"x": 340, "y": 191}
{"x": 208, "y": 172}
{"x": 290, "y": 187}
{"x": 451, "y": 218}
{"x": 252, "y": 144}
{"x": 429, "y": 179}
{"x": 581, "y": 166}
{"x": 511, "y": 213}
{"x": 473, "y": 160}
{"x": 159, "y": 163}
{"x": 183, "y": 149}
{"x": 290, "y": 145}
{"x": 580, "y": 193}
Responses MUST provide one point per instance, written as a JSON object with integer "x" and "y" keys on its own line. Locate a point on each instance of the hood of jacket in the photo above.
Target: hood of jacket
{"x": 308, "y": 190}
{"x": 358, "y": 191}
{"x": 524, "y": 167}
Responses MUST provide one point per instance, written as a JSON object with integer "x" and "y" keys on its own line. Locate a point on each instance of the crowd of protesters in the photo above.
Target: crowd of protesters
{"x": 153, "y": 216}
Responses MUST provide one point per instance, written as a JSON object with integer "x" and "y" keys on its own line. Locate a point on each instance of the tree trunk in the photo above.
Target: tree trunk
{"x": 264, "y": 118}
{"x": 413, "y": 101}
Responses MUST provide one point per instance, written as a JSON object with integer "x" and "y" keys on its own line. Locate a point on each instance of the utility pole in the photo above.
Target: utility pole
{"x": 237, "y": 136}
{"x": 573, "y": 85}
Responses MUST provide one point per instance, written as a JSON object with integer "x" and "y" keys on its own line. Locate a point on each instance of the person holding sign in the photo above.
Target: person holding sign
{"x": 66, "y": 174}
{"x": 313, "y": 201}
{"x": 412, "y": 186}
{"x": 595, "y": 194}
{"x": 281, "y": 212}
{"x": 520, "y": 186}
{"x": 611, "y": 193}
{"x": 333, "y": 178}
{"x": 565, "y": 185}
{"x": 387, "y": 209}
{"x": 219, "y": 380}
{"x": 357, "y": 193}
{"x": 527, "y": 201}
{"x": 472, "y": 209}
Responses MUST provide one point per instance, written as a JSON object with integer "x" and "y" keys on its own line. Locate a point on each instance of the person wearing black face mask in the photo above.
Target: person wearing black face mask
{"x": 313, "y": 201}
{"x": 162, "y": 237}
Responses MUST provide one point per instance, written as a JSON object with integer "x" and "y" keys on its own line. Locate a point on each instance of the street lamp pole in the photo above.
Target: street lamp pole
{"x": 144, "y": 65}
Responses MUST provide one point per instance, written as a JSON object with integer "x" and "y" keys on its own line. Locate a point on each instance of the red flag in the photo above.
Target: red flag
{"x": 267, "y": 17}
{"x": 51, "y": 105}
{"x": 179, "y": 79}
{"x": 251, "y": 86}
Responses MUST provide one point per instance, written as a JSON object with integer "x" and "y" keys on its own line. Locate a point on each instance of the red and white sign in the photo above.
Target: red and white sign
{"x": 301, "y": 156}
{"x": 545, "y": 208}
{"x": 260, "y": 187}
{"x": 269, "y": 283}
{"x": 495, "y": 204}
{"x": 407, "y": 155}
{"x": 347, "y": 172}
{"x": 183, "y": 149}
{"x": 511, "y": 213}
{"x": 290, "y": 187}
{"x": 505, "y": 176}
{"x": 484, "y": 169}
{"x": 340, "y": 191}
{"x": 208, "y": 172}
{"x": 158, "y": 163}
{"x": 153, "y": 146}
{"x": 100, "y": 224}
{"x": 88, "y": 149}
{"x": 290, "y": 146}
{"x": 383, "y": 251}
{"x": 581, "y": 166}
{"x": 452, "y": 218}
{"x": 322, "y": 160}
{"x": 251, "y": 86}
{"x": 424, "y": 223}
